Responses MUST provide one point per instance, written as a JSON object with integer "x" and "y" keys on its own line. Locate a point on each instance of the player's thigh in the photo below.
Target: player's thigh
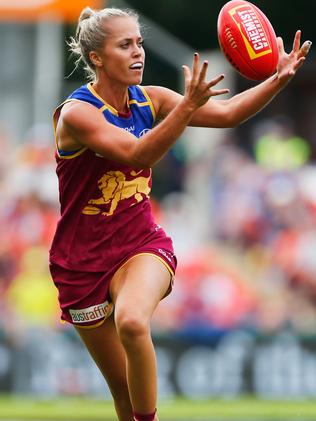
{"x": 106, "y": 349}
{"x": 140, "y": 284}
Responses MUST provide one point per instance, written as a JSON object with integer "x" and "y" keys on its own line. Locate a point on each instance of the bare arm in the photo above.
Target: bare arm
{"x": 83, "y": 125}
{"x": 239, "y": 108}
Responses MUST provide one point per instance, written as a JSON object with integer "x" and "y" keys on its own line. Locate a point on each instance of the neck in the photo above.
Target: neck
{"x": 113, "y": 94}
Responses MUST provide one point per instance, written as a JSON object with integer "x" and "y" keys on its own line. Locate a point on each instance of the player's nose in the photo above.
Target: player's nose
{"x": 137, "y": 51}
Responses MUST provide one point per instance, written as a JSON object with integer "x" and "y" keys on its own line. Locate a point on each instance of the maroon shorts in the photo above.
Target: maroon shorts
{"x": 84, "y": 296}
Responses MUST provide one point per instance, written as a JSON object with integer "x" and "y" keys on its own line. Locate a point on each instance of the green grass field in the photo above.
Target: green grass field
{"x": 84, "y": 409}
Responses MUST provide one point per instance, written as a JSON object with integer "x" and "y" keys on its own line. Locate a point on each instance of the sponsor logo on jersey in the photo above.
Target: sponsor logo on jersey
{"x": 90, "y": 314}
{"x": 167, "y": 254}
{"x": 130, "y": 129}
{"x": 143, "y": 132}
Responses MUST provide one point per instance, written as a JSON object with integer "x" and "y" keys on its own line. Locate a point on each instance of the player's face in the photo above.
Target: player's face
{"x": 123, "y": 55}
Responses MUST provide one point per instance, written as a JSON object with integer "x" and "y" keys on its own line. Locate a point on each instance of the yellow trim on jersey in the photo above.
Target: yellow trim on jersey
{"x": 149, "y": 254}
{"x": 55, "y": 121}
{"x": 109, "y": 107}
{"x": 106, "y": 106}
{"x": 140, "y": 104}
{"x": 91, "y": 326}
{"x": 71, "y": 156}
{"x": 149, "y": 101}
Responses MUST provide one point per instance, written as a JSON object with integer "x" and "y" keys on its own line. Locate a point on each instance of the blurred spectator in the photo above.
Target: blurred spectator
{"x": 27, "y": 221}
{"x": 34, "y": 167}
{"x": 32, "y": 296}
{"x": 267, "y": 212}
{"x": 208, "y": 296}
{"x": 278, "y": 147}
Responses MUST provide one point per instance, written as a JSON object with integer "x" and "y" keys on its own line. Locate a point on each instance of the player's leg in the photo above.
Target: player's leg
{"x": 106, "y": 349}
{"x": 136, "y": 290}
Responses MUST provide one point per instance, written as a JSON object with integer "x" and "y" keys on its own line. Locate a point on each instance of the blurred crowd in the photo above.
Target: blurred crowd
{"x": 28, "y": 216}
{"x": 256, "y": 270}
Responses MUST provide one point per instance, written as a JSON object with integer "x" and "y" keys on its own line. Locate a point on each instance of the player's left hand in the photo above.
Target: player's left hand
{"x": 289, "y": 63}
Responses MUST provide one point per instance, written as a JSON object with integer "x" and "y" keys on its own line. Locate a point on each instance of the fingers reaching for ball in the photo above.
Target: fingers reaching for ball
{"x": 197, "y": 90}
{"x": 289, "y": 63}
{"x": 280, "y": 45}
{"x": 300, "y": 50}
{"x": 214, "y": 82}
{"x": 203, "y": 71}
{"x": 297, "y": 41}
{"x": 304, "y": 50}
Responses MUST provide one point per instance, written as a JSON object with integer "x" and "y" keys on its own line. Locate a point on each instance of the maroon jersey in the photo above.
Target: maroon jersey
{"x": 105, "y": 209}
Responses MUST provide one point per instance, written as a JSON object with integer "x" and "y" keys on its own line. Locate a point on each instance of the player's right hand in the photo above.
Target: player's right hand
{"x": 197, "y": 90}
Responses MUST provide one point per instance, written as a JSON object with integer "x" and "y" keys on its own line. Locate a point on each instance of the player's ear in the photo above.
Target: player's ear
{"x": 95, "y": 59}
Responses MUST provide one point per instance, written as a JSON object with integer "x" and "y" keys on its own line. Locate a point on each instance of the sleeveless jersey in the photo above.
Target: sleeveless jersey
{"x": 105, "y": 208}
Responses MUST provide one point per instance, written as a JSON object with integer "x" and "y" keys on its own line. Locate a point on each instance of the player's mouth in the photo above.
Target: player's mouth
{"x": 137, "y": 66}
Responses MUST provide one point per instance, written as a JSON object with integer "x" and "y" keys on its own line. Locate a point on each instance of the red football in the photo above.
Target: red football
{"x": 247, "y": 39}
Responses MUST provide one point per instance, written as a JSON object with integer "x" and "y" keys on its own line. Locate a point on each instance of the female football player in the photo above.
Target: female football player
{"x": 110, "y": 261}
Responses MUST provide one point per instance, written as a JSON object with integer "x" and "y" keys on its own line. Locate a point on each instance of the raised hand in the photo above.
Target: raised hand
{"x": 289, "y": 63}
{"x": 197, "y": 90}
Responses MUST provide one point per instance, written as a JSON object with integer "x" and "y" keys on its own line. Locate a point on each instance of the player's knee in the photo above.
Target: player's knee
{"x": 131, "y": 327}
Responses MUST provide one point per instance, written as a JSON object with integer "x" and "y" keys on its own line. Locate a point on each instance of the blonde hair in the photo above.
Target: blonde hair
{"x": 91, "y": 34}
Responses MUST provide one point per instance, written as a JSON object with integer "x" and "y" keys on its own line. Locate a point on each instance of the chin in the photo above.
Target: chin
{"x": 136, "y": 80}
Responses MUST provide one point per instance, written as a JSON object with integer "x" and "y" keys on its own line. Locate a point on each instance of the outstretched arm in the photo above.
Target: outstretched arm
{"x": 239, "y": 108}
{"x": 246, "y": 104}
{"x": 81, "y": 124}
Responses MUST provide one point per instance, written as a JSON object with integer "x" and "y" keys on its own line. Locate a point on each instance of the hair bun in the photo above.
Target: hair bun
{"x": 86, "y": 13}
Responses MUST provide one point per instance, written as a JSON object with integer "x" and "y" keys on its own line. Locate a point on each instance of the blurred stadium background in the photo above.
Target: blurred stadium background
{"x": 240, "y": 205}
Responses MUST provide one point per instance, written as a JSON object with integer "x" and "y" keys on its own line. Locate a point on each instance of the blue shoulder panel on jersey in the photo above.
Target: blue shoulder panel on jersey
{"x": 139, "y": 99}
{"x": 84, "y": 94}
{"x": 135, "y": 93}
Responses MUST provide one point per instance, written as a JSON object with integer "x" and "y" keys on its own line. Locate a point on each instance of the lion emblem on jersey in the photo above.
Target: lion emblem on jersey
{"x": 114, "y": 188}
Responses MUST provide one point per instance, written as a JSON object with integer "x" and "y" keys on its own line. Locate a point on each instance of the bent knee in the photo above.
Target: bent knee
{"x": 130, "y": 327}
